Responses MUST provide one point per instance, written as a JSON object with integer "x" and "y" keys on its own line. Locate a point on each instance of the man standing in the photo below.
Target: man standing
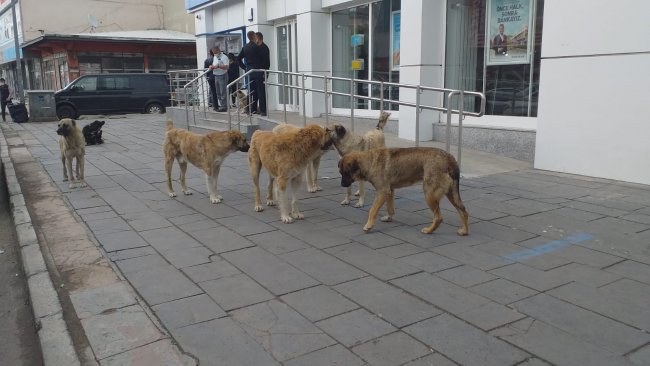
{"x": 264, "y": 62}
{"x": 220, "y": 69}
{"x": 4, "y": 97}
{"x": 500, "y": 42}
{"x": 248, "y": 54}
{"x": 210, "y": 75}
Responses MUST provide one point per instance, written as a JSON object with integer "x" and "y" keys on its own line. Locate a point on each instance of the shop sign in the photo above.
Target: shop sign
{"x": 357, "y": 40}
{"x": 395, "y": 20}
{"x": 509, "y": 30}
{"x": 358, "y": 64}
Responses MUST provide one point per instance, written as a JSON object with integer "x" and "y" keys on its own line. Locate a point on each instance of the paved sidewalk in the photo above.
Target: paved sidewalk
{"x": 555, "y": 271}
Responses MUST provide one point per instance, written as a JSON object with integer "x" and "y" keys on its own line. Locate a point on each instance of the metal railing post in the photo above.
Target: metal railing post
{"x": 461, "y": 105}
{"x": 417, "y": 116}
{"x": 352, "y": 104}
{"x": 381, "y": 97}
{"x": 304, "y": 99}
{"x": 284, "y": 94}
{"x": 187, "y": 112}
{"x": 448, "y": 139}
{"x": 327, "y": 115}
{"x": 266, "y": 93}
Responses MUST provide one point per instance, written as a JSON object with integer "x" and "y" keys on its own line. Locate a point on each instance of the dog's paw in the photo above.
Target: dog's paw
{"x": 319, "y": 188}
{"x": 367, "y": 228}
{"x": 345, "y": 202}
{"x": 65, "y": 179}
{"x": 357, "y": 193}
{"x": 216, "y": 199}
{"x": 82, "y": 184}
{"x": 259, "y": 208}
{"x": 386, "y": 218}
{"x": 462, "y": 231}
{"x": 298, "y": 215}
{"x": 359, "y": 204}
{"x": 426, "y": 230}
{"x": 72, "y": 185}
{"x": 172, "y": 194}
{"x": 287, "y": 219}
{"x": 312, "y": 189}
{"x": 187, "y": 192}
{"x": 270, "y": 202}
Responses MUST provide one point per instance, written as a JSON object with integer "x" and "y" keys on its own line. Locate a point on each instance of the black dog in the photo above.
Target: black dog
{"x": 93, "y": 133}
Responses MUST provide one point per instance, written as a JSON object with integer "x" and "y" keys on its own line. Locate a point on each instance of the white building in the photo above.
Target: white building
{"x": 570, "y": 85}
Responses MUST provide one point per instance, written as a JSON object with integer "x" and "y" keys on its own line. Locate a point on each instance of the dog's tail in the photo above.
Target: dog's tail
{"x": 454, "y": 173}
{"x": 170, "y": 124}
{"x": 383, "y": 119}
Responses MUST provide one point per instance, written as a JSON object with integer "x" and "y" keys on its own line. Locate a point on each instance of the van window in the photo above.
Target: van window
{"x": 115, "y": 83}
{"x": 151, "y": 83}
{"x": 87, "y": 84}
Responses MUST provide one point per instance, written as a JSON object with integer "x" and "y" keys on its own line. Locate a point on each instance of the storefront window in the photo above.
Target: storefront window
{"x": 386, "y": 19}
{"x": 502, "y": 61}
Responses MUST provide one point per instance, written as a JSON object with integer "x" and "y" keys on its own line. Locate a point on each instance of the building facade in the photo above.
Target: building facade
{"x": 61, "y": 40}
{"x": 570, "y": 74}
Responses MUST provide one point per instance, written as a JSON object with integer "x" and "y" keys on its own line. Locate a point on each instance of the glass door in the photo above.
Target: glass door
{"x": 287, "y": 61}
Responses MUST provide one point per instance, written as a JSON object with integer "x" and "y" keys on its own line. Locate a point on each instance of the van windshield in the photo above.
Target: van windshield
{"x": 88, "y": 83}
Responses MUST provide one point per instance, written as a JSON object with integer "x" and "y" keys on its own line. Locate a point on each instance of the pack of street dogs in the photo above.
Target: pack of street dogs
{"x": 287, "y": 152}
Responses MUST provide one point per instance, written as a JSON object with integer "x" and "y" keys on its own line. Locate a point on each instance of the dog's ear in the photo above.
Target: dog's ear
{"x": 340, "y": 130}
{"x": 74, "y": 123}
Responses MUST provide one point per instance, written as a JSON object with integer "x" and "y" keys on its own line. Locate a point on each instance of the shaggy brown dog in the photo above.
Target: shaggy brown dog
{"x": 391, "y": 168}
{"x": 242, "y": 101}
{"x": 206, "y": 152}
{"x": 285, "y": 156}
{"x": 346, "y": 142}
{"x": 73, "y": 146}
{"x": 312, "y": 168}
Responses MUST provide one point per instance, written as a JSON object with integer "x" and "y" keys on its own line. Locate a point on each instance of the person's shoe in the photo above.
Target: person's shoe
{"x": 221, "y": 110}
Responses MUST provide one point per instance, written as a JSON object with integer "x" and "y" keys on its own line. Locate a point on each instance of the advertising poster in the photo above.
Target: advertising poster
{"x": 508, "y": 31}
{"x": 394, "y": 39}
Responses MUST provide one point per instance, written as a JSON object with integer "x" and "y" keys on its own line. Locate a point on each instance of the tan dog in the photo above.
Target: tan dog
{"x": 206, "y": 152}
{"x": 242, "y": 101}
{"x": 391, "y": 168}
{"x": 312, "y": 168}
{"x": 346, "y": 142}
{"x": 73, "y": 146}
{"x": 285, "y": 156}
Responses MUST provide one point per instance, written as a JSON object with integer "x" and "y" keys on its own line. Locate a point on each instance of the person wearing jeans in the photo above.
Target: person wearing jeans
{"x": 220, "y": 69}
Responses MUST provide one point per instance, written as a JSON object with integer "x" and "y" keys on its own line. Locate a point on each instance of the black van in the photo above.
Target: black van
{"x": 113, "y": 93}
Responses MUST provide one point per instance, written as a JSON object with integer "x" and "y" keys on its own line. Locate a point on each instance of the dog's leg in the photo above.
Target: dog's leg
{"x": 380, "y": 198}
{"x": 295, "y": 187}
{"x": 361, "y": 193}
{"x": 68, "y": 167}
{"x": 281, "y": 183}
{"x": 169, "y": 163}
{"x": 182, "y": 164}
{"x": 65, "y": 169}
{"x": 211, "y": 181}
{"x": 348, "y": 195}
{"x": 254, "y": 167}
{"x": 270, "y": 200}
{"x": 454, "y": 197}
{"x": 433, "y": 196}
{"x": 390, "y": 207}
{"x": 80, "y": 170}
{"x": 312, "y": 176}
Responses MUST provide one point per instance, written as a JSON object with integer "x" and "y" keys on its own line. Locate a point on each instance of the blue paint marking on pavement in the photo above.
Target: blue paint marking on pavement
{"x": 549, "y": 247}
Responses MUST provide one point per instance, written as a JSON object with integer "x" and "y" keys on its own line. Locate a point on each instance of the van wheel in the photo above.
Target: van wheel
{"x": 154, "y": 108}
{"x": 65, "y": 111}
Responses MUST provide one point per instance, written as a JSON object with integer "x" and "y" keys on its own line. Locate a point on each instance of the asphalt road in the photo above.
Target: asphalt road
{"x": 18, "y": 339}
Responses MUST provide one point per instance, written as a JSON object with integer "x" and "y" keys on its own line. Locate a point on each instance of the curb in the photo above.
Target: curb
{"x": 55, "y": 340}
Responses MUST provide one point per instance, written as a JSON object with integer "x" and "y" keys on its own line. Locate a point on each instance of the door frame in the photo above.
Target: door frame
{"x": 290, "y": 25}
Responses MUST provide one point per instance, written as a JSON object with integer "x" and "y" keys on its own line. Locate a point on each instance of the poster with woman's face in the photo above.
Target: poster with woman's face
{"x": 508, "y": 31}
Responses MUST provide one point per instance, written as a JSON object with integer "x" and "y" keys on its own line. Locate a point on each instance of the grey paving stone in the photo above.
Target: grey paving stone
{"x": 471, "y": 256}
{"x": 616, "y": 225}
{"x": 275, "y": 275}
{"x": 213, "y": 270}
{"x": 120, "y": 241}
{"x": 245, "y": 225}
{"x": 634, "y": 292}
{"x": 142, "y": 221}
{"x": 391, "y": 350}
{"x": 312, "y": 234}
{"x": 640, "y": 357}
{"x": 371, "y": 261}
{"x": 336, "y": 355}
{"x": 372, "y": 239}
{"x": 413, "y": 235}
{"x": 534, "y": 362}
{"x": 283, "y": 332}
{"x": 169, "y": 238}
{"x": 122, "y": 201}
{"x": 435, "y": 359}
{"x": 99, "y": 299}
{"x": 503, "y": 291}
{"x": 90, "y": 217}
{"x": 131, "y": 253}
{"x": 188, "y": 219}
{"x": 558, "y": 347}
{"x": 637, "y": 217}
{"x": 132, "y": 183}
{"x": 387, "y": 302}
{"x": 530, "y": 277}
{"x": 190, "y": 310}
{"x": 465, "y": 276}
{"x": 162, "y": 284}
{"x": 590, "y": 257}
{"x": 583, "y": 324}
{"x": 317, "y": 303}
{"x": 325, "y": 268}
{"x": 355, "y": 327}
{"x": 500, "y": 232}
{"x": 119, "y": 331}
{"x": 108, "y": 226}
{"x": 452, "y": 337}
{"x": 141, "y": 263}
{"x": 576, "y": 214}
{"x": 611, "y": 201}
{"x": 585, "y": 274}
{"x": 55, "y": 342}
{"x": 221, "y": 239}
{"x": 400, "y": 250}
{"x": 235, "y": 291}
{"x": 277, "y": 242}
{"x": 440, "y": 293}
{"x": 222, "y": 342}
{"x": 589, "y": 207}
{"x": 491, "y": 315}
{"x": 92, "y": 210}
{"x": 186, "y": 257}
{"x": 430, "y": 262}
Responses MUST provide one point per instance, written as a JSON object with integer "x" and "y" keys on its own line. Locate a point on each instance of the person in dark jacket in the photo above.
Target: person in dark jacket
{"x": 263, "y": 59}
{"x": 4, "y": 97}
{"x": 247, "y": 61}
{"x": 233, "y": 73}
{"x": 211, "y": 83}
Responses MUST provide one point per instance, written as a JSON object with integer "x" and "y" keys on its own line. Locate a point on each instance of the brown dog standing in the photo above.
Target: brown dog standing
{"x": 73, "y": 146}
{"x": 285, "y": 156}
{"x": 346, "y": 142}
{"x": 206, "y": 152}
{"x": 391, "y": 168}
{"x": 312, "y": 168}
